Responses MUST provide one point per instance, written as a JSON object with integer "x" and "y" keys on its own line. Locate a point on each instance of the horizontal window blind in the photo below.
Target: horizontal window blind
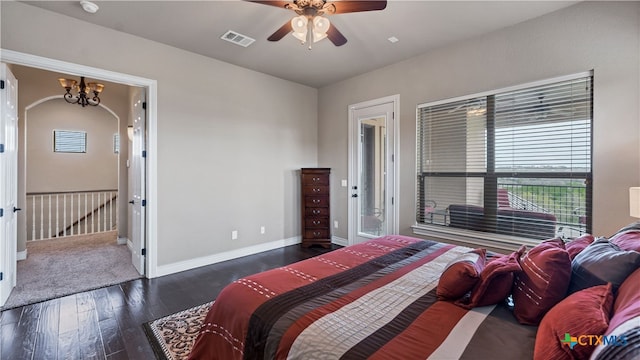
{"x": 69, "y": 141}
{"x": 514, "y": 162}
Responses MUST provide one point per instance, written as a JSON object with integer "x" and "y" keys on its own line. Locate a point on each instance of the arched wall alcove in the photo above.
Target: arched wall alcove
{"x": 47, "y": 171}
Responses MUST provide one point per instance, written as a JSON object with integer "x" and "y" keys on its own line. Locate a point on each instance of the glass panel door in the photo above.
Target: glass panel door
{"x": 372, "y": 177}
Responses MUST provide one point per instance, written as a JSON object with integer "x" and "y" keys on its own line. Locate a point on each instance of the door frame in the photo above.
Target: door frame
{"x": 395, "y": 153}
{"x": 151, "y": 88}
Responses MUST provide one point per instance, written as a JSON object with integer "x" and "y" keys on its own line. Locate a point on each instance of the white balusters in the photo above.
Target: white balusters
{"x": 57, "y": 215}
{"x": 41, "y": 217}
{"x": 71, "y": 213}
{"x": 86, "y": 223}
{"x": 33, "y": 217}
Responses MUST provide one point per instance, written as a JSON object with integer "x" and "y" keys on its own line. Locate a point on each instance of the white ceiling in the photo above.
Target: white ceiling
{"x": 197, "y": 26}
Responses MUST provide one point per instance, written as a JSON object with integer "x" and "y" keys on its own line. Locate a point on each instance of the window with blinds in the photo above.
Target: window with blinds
{"x": 514, "y": 162}
{"x": 116, "y": 143}
{"x": 69, "y": 141}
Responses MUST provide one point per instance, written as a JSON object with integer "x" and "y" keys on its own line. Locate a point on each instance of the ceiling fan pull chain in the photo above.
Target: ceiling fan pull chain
{"x": 310, "y": 33}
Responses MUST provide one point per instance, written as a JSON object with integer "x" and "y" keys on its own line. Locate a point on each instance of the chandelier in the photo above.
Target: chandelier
{"x": 83, "y": 97}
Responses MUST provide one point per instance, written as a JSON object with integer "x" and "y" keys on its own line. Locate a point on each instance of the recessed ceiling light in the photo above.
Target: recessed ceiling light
{"x": 89, "y": 7}
{"x": 393, "y": 39}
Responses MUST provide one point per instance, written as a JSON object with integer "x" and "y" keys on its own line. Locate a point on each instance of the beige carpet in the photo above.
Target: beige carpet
{"x": 60, "y": 267}
{"x": 172, "y": 336}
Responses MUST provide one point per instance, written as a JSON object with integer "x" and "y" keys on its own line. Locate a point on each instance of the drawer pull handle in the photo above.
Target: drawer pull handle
{"x": 316, "y": 212}
{"x": 316, "y": 233}
{"x": 316, "y": 222}
{"x": 316, "y": 201}
{"x": 316, "y": 190}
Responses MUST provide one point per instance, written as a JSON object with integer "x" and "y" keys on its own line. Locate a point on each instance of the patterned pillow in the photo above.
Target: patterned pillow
{"x": 543, "y": 282}
{"x": 461, "y": 275}
{"x": 561, "y": 332}
{"x": 496, "y": 281}
{"x": 624, "y": 327}
{"x": 600, "y": 263}
{"x": 575, "y": 246}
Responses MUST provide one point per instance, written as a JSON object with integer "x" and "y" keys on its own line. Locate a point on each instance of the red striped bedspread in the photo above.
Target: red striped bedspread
{"x": 372, "y": 300}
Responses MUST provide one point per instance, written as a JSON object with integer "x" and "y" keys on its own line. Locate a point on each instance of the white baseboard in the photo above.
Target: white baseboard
{"x": 123, "y": 240}
{"x": 224, "y": 256}
{"x": 21, "y": 255}
{"x": 130, "y": 245}
{"x": 339, "y": 241}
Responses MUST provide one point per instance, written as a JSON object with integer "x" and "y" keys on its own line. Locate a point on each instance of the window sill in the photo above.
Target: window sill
{"x": 503, "y": 243}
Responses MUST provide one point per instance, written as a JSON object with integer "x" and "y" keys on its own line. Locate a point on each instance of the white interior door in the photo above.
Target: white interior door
{"x": 372, "y": 171}
{"x": 8, "y": 178}
{"x": 137, "y": 175}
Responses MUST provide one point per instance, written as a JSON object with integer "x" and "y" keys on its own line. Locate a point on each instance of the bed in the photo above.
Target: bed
{"x": 379, "y": 300}
{"x": 375, "y": 299}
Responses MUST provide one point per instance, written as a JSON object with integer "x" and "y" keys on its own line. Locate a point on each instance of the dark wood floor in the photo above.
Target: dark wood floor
{"x": 107, "y": 323}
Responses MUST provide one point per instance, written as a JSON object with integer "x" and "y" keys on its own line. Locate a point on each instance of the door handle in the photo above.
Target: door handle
{"x": 16, "y": 209}
{"x": 354, "y": 195}
{"x": 131, "y": 202}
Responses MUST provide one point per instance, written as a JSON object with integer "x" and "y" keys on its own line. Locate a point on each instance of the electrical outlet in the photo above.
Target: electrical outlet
{"x": 234, "y": 235}
{"x": 262, "y": 230}
{"x": 335, "y": 224}
{"x": 344, "y": 183}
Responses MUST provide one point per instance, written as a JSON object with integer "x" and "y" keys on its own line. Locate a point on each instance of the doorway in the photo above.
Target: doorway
{"x": 372, "y": 169}
{"x": 148, "y": 170}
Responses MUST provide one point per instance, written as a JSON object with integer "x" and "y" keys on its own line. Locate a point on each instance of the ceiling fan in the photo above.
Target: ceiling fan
{"x": 310, "y": 25}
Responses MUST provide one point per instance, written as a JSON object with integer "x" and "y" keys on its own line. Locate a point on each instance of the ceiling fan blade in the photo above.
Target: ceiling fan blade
{"x": 336, "y": 36}
{"x": 348, "y": 6}
{"x": 280, "y": 4}
{"x": 282, "y": 32}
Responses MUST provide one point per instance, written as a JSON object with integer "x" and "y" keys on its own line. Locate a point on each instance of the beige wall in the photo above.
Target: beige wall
{"x": 230, "y": 140}
{"x": 49, "y": 171}
{"x": 36, "y": 85}
{"x": 603, "y": 36}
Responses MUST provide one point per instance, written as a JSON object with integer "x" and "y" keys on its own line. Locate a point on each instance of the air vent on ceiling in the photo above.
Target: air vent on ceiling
{"x": 238, "y": 39}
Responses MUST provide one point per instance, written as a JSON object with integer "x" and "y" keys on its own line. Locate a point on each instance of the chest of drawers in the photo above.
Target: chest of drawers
{"x": 316, "y": 229}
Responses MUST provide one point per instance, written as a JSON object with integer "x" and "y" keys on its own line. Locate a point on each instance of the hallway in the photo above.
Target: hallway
{"x": 63, "y": 266}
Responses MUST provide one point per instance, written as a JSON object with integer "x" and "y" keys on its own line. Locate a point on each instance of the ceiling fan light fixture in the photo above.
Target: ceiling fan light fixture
{"x": 321, "y": 25}
{"x": 318, "y": 36}
{"x": 302, "y": 36}
{"x": 312, "y": 12}
{"x": 299, "y": 24}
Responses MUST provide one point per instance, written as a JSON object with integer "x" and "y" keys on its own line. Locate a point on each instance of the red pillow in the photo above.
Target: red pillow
{"x": 496, "y": 281}
{"x": 578, "y": 244}
{"x": 625, "y": 315}
{"x": 627, "y": 304}
{"x": 627, "y": 239}
{"x": 559, "y": 335}
{"x": 461, "y": 275}
{"x": 543, "y": 282}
